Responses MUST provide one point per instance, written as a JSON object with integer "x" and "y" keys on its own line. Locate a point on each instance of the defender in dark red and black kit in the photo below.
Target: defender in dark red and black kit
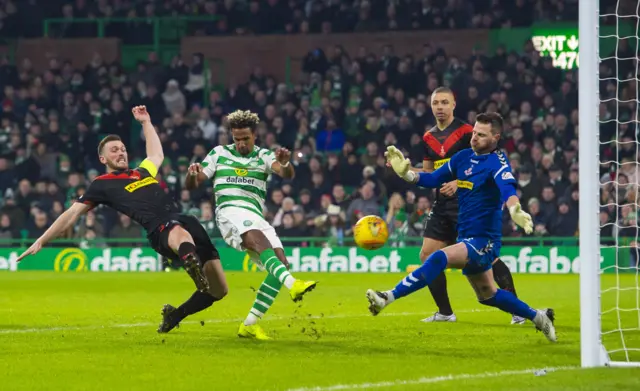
{"x": 449, "y": 136}
{"x": 439, "y": 146}
{"x": 137, "y": 194}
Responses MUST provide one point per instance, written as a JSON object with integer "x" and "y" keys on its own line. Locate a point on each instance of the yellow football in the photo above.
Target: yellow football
{"x": 370, "y": 232}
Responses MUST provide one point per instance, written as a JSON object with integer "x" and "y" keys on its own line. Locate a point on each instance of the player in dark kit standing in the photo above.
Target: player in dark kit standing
{"x": 137, "y": 194}
{"x": 449, "y": 136}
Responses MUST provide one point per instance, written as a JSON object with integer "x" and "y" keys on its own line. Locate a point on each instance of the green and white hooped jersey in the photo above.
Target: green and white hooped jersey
{"x": 239, "y": 181}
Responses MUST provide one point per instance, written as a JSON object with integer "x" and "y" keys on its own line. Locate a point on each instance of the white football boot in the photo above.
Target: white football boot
{"x": 377, "y": 301}
{"x": 544, "y": 322}
{"x": 438, "y": 317}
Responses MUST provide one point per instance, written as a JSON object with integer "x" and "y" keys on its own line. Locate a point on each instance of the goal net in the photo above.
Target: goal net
{"x": 609, "y": 81}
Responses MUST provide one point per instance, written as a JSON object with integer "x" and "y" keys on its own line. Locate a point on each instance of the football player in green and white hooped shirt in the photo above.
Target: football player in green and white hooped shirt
{"x": 239, "y": 172}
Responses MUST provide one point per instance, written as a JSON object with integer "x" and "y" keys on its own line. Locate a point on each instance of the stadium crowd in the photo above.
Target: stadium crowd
{"x": 337, "y": 122}
{"x": 24, "y": 18}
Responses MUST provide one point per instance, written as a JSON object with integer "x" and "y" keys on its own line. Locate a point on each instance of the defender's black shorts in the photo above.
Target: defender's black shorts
{"x": 441, "y": 223}
{"x": 159, "y": 238}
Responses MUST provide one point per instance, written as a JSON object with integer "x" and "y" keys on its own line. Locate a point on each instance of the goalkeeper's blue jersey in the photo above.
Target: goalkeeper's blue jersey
{"x": 485, "y": 182}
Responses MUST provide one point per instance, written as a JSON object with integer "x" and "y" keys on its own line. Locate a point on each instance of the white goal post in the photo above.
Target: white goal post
{"x": 609, "y": 325}
{"x": 592, "y": 353}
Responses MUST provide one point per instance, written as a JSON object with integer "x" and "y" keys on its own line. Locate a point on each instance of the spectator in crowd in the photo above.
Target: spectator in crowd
{"x": 331, "y": 225}
{"x": 528, "y": 185}
{"x": 206, "y": 218}
{"x": 420, "y": 211}
{"x": 395, "y": 208}
{"x": 185, "y": 202}
{"x": 7, "y": 175}
{"x": 38, "y": 224}
{"x": 124, "y": 229}
{"x": 399, "y": 230}
{"x": 174, "y": 99}
{"x": 7, "y": 231}
{"x": 287, "y": 208}
{"x": 90, "y": 222}
{"x": 25, "y": 196}
{"x": 196, "y": 79}
{"x": 365, "y": 205}
{"x": 565, "y": 222}
{"x": 289, "y": 229}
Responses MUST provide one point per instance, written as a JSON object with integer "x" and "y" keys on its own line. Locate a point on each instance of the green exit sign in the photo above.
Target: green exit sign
{"x": 561, "y": 45}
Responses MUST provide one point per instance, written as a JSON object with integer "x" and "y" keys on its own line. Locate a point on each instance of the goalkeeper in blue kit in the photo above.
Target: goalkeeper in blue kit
{"x": 485, "y": 185}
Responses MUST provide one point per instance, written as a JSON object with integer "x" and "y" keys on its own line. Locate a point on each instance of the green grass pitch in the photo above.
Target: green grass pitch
{"x": 97, "y": 331}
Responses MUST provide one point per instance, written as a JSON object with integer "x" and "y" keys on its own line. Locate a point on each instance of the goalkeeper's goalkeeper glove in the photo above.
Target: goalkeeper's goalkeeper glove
{"x": 521, "y": 218}
{"x": 399, "y": 164}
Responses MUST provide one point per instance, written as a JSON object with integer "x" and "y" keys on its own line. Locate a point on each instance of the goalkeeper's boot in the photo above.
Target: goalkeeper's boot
{"x": 515, "y": 319}
{"x": 169, "y": 319}
{"x": 544, "y": 322}
{"x": 377, "y": 301}
{"x": 301, "y": 287}
{"x": 253, "y": 331}
{"x": 438, "y": 317}
{"x": 192, "y": 267}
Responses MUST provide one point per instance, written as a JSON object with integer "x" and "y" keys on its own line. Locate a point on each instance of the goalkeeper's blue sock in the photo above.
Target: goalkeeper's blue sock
{"x": 422, "y": 276}
{"x": 508, "y": 302}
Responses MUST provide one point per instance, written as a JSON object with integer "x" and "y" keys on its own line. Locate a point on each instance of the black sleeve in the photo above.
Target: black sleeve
{"x": 144, "y": 173}
{"x": 94, "y": 195}
{"x": 466, "y": 139}
{"x": 427, "y": 151}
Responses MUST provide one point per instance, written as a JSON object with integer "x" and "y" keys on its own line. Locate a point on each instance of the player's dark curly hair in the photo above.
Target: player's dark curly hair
{"x": 493, "y": 119}
{"x": 242, "y": 119}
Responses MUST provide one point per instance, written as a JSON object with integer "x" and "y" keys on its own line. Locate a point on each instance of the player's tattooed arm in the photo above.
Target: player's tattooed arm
{"x": 195, "y": 176}
{"x": 153, "y": 144}
{"x": 62, "y": 224}
{"x": 282, "y": 166}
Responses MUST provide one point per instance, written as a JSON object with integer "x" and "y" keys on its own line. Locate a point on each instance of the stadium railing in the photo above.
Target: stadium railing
{"x": 165, "y": 29}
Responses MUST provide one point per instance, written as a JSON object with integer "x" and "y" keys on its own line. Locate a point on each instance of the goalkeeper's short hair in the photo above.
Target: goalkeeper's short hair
{"x": 493, "y": 119}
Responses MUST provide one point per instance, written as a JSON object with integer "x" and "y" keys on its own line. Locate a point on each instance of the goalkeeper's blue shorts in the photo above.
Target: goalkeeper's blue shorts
{"x": 482, "y": 252}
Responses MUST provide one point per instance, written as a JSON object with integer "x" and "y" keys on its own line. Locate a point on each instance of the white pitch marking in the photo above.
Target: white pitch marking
{"x": 429, "y": 380}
